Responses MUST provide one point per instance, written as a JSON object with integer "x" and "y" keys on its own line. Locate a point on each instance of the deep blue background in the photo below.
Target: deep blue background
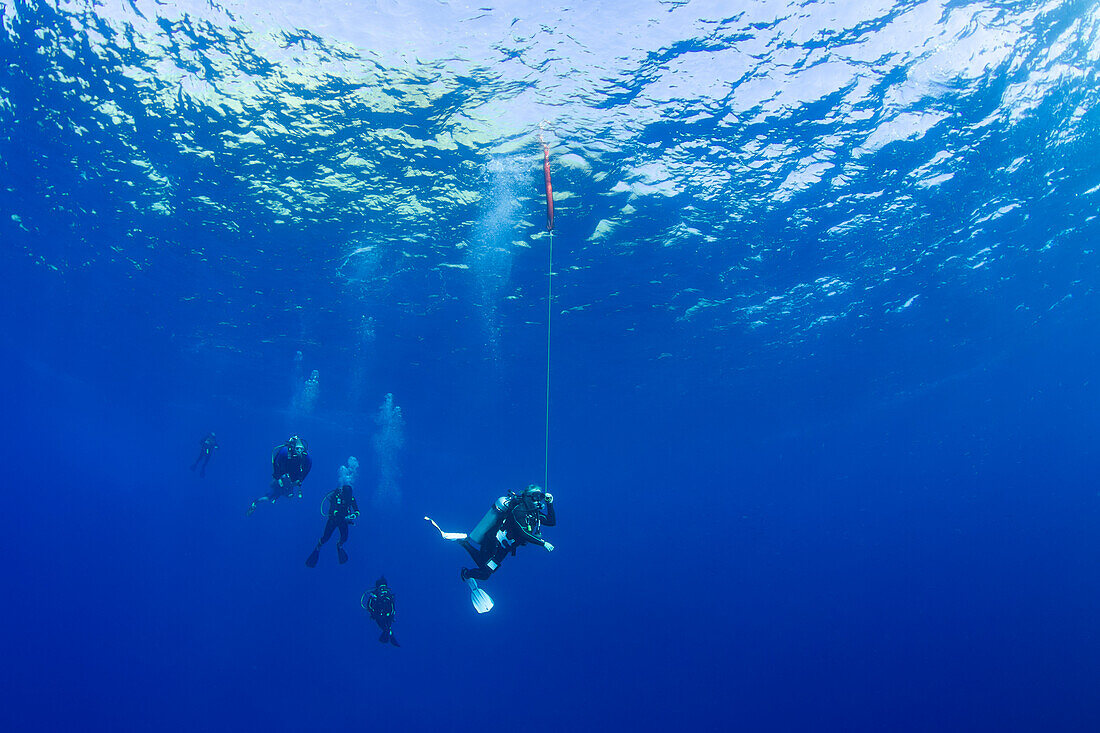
{"x": 882, "y": 525}
{"x": 918, "y": 563}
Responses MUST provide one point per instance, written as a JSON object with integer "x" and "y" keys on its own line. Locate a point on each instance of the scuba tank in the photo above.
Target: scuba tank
{"x": 492, "y": 521}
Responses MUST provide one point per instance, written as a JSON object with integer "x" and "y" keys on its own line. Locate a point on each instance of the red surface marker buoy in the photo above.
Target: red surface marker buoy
{"x": 549, "y": 187}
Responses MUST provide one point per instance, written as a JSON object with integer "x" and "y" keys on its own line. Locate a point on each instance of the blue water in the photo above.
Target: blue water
{"x": 823, "y": 405}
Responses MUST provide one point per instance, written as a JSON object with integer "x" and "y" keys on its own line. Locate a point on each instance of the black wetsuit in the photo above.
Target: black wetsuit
{"x": 522, "y": 525}
{"x": 340, "y": 504}
{"x": 382, "y": 608}
{"x": 206, "y": 449}
{"x": 284, "y": 467}
{"x": 287, "y": 474}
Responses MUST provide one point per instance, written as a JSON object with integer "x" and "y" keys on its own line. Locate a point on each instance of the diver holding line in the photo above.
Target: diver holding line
{"x": 512, "y": 521}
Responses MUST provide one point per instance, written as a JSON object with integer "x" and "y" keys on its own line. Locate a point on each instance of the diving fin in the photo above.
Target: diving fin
{"x": 342, "y": 555}
{"x": 481, "y": 600}
{"x": 447, "y": 535}
{"x": 393, "y": 640}
{"x": 311, "y": 561}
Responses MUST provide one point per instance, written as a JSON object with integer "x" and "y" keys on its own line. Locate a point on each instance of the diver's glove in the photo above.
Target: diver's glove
{"x": 548, "y": 546}
{"x": 353, "y": 516}
{"x": 549, "y": 497}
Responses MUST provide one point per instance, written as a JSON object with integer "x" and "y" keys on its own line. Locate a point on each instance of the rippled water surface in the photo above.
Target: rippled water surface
{"x": 823, "y": 312}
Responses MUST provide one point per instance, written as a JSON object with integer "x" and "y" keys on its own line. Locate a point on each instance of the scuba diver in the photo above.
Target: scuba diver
{"x": 342, "y": 511}
{"x": 206, "y": 449}
{"x": 379, "y": 602}
{"x": 290, "y": 464}
{"x": 512, "y": 521}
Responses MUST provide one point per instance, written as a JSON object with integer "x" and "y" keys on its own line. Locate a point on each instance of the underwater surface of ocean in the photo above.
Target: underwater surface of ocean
{"x": 823, "y": 403}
